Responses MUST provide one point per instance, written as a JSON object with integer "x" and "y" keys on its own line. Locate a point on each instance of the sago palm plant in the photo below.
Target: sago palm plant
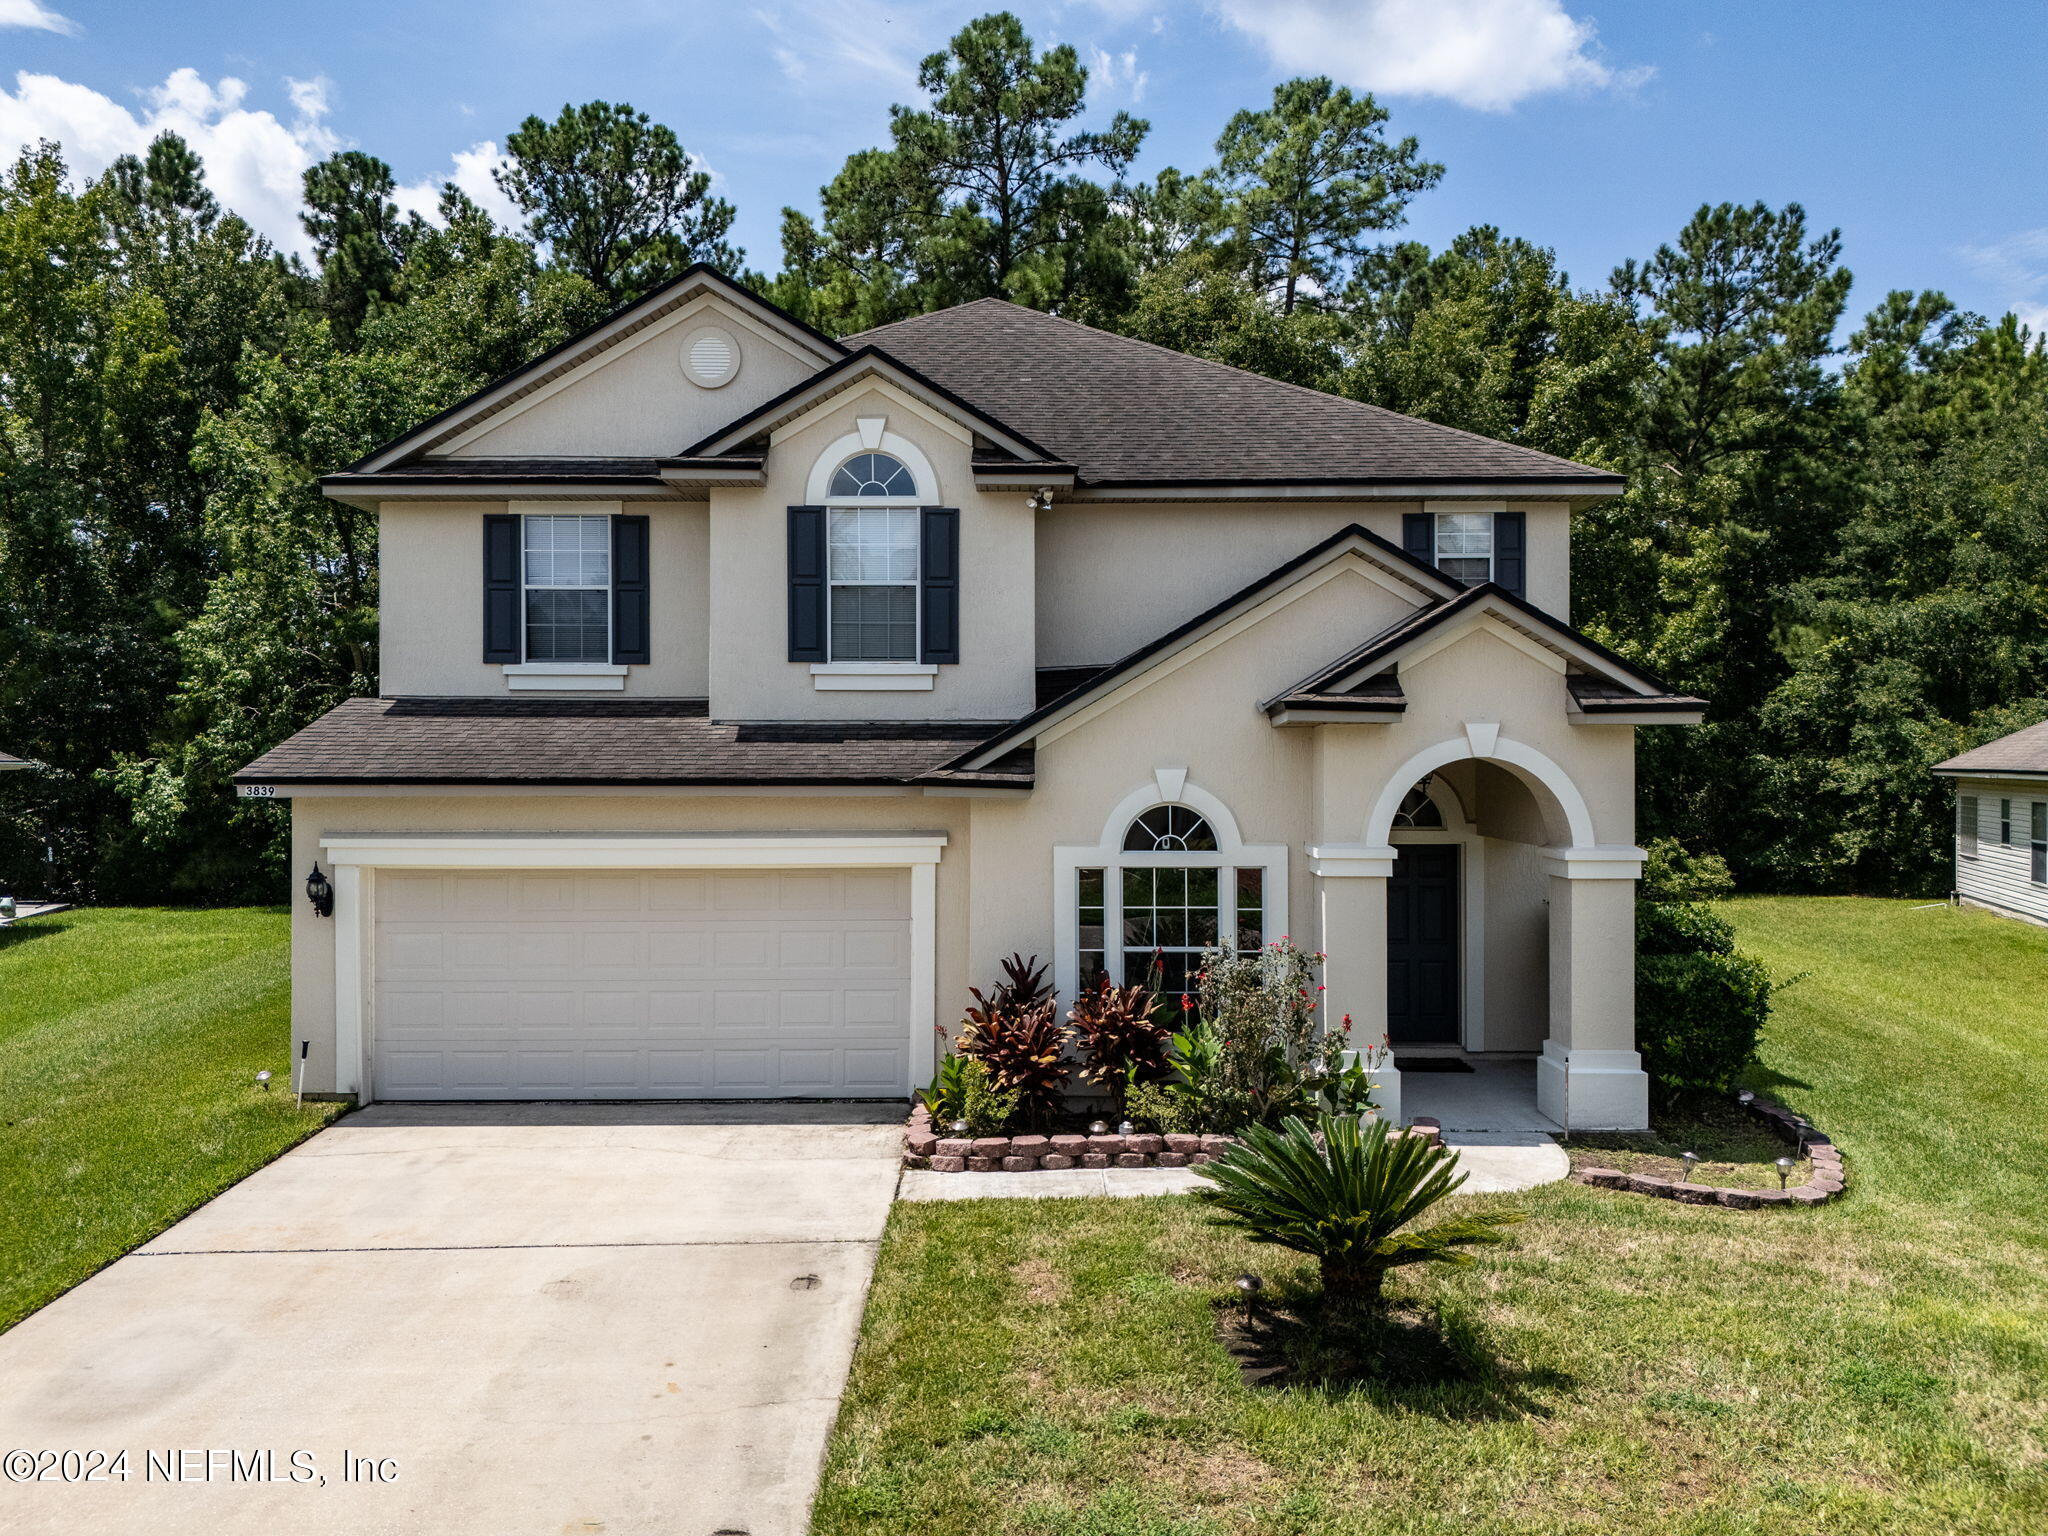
{"x": 1342, "y": 1195}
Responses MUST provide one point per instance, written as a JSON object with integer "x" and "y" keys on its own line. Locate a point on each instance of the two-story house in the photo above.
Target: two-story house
{"x": 747, "y": 695}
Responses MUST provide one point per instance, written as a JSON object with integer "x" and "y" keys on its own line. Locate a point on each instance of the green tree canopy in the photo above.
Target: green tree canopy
{"x": 615, "y": 198}
{"x": 1309, "y": 178}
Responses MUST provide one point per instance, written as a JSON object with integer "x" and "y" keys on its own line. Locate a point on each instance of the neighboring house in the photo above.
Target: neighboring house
{"x": 2002, "y": 823}
{"x": 747, "y": 695}
{"x": 9, "y": 761}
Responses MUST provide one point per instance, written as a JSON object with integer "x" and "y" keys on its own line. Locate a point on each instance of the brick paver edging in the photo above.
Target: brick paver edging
{"x": 923, "y": 1147}
{"x": 1829, "y": 1178}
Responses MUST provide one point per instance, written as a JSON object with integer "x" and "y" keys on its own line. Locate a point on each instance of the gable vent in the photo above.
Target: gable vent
{"x": 710, "y": 357}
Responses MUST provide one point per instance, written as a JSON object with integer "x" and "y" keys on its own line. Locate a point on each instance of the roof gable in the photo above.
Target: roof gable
{"x": 1128, "y": 413}
{"x": 1424, "y": 582}
{"x": 1625, "y": 685}
{"x": 857, "y": 368}
{"x": 616, "y": 330}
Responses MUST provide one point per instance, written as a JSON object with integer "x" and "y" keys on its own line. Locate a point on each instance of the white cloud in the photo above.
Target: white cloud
{"x": 472, "y": 173}
{"x": 253, "y": 159}
{"x": 828, "y": 43}
{"x": 2017, "y": 270}
{"x": 1488, "y": 54}
{"x": 1117, "y": 72}
{"x": 34, "y": 14}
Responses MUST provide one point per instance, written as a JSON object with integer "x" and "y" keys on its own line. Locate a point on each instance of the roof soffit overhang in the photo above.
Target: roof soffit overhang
{"x": 615, "y": 328}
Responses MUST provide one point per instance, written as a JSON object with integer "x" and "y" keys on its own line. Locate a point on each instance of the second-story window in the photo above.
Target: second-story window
{"x": 872, "y": 558}
{"x": 1464, "y": 546}
{"x": 568, "y": 578}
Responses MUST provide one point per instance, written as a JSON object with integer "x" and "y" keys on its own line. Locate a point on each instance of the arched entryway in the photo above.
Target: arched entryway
{"x": 1481, "y": 919}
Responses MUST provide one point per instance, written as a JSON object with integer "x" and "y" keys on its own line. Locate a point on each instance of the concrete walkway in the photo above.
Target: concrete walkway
{"x": 632, "y": 1318}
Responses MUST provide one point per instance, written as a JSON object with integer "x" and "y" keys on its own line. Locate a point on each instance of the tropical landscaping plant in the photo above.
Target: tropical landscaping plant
{"x": 1014, "y": 1031}
{"x": 946, "y": 1094}
{"x": 1123, "y": 1039}
{"x": 1341, "y": 1193}
{"x": 1189, "y": 1097}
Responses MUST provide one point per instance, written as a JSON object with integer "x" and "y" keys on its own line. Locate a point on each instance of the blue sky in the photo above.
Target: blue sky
{"x": 1589, "y": 125}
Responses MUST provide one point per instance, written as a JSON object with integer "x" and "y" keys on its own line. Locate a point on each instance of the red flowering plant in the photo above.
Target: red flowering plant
{"x": 1014, "y": 1031}
{"x": 1276, "y": 1058}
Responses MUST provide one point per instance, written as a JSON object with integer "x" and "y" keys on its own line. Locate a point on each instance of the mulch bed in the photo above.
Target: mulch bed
{"x": 1819, "y": 1167}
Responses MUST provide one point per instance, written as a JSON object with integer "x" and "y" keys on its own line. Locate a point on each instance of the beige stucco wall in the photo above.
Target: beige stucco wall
{"x": 1113, "y": 576}
{"x": 751, "y": 676}
{"x": 1201, "y": 716}
{"x": 1295, "y": 786}
{"x": 1517, "y": 946}
{"x": 647, "y": 814}
{"x": 430, "y": 559}
{"x": 634, "y": 398}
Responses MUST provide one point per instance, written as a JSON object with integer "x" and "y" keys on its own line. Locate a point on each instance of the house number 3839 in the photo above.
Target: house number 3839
{"x": 256, "y": 791}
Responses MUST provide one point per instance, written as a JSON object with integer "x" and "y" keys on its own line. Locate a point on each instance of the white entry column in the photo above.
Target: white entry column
{"x": 1351, "y": 902}
{"x": 1590, "y": 1076}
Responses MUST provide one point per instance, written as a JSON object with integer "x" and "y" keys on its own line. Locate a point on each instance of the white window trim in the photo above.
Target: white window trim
{"x": 1168, "y": 786}
{"x": 873, "y": 676}
{"x": 355, "y": 860}
{"x": 867, "y": 676}
{"x": 564, "y": 676}
{"x": 1436, "y": 531}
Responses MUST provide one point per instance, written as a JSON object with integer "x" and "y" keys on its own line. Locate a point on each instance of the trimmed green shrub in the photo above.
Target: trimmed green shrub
{"x": 1700, "y": 1006}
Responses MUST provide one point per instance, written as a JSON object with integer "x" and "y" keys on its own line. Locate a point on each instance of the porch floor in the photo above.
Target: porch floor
{"x": 1493, "y": 1096}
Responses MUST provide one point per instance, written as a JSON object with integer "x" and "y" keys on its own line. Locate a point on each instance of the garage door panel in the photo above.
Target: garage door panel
{"x": 630, "y": 984}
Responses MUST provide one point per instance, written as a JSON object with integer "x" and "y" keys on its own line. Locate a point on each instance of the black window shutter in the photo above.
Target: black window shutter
{"x": 1418, "y": 535}
{"x": 807, "y": 584}
{"x": 502, "y": 629}
{"x": 939, "y": 590}
{"x": 631, "y": 644}
{"x": 1510, "y": 551}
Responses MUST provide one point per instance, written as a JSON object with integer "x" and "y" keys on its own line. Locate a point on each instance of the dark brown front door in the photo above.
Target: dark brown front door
{"x": 1422, "y": 946}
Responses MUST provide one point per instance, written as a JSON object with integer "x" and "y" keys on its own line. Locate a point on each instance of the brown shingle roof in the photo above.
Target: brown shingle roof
{"x": 627, "y": 741}
{"x": 1127, "y": 412}
{"x": 2024, "y": 752}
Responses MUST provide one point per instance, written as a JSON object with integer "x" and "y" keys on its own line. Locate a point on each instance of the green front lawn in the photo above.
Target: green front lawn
{"x": 1628, "y": 1365}
{"x": 130, "y": 1040}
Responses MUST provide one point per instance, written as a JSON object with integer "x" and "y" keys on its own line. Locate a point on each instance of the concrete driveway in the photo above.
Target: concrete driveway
{"x": 497, "y": 1319}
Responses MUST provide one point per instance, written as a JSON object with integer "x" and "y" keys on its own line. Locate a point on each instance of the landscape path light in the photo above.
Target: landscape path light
{"x": 1784, "y": 1171}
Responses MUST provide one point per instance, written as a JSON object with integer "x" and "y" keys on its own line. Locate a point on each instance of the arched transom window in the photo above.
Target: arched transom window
{"x": 1418, "y": 810}
{"x": 1170, "y": 892}
{"x": 874, "y": 474}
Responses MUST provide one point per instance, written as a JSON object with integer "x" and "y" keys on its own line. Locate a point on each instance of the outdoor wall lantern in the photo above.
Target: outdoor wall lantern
{"x": 320, "y": 892}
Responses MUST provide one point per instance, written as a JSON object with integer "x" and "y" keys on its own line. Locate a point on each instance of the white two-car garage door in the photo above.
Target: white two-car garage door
{"x": 543, "y": 984}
